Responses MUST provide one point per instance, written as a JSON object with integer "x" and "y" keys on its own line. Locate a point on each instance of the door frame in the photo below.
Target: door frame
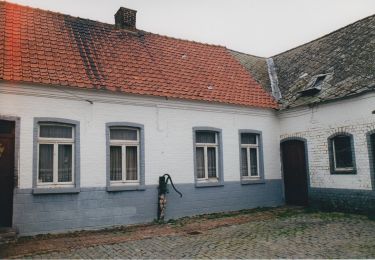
{"x": 304, "y": 141}
{"x": 371, "y": 157}
{"x": 16, "y": 176}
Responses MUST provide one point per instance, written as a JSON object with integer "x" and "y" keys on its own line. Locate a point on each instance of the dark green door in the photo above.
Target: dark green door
{"x": 6, "y": 172}
{"x": 372, "y": 147}
{"x": 294, "y": 172}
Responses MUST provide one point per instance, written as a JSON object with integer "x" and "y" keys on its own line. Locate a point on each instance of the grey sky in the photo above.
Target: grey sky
{"x": 259, "y": 27}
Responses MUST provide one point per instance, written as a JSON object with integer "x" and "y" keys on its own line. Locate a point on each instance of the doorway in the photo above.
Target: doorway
{"x": 372, "y": 157}
{"x": 293, "y": 155}
{"x": 7, "y": 148}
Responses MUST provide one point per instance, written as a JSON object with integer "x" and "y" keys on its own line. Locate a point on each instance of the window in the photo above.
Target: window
{"x": 206, "y": 145}
{"x": 319, "y": 81}
{"x": 55, "y": 149}
{"x": 371, "y": 151}
{"x": 315, "y": 85}
{"x": 342, "y": 153}
{"x": 249, "y": 155}
{"x": 208, "y": 157}
{"x": 124, "y": 155}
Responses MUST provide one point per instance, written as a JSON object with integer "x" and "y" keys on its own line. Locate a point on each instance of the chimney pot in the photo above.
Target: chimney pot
{"x": 125, "y": 19}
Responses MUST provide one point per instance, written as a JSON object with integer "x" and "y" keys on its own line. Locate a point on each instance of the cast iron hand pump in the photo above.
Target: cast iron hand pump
{"x": 163, "y": 190}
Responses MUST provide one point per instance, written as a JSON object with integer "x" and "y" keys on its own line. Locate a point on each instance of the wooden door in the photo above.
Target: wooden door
{"x": 6, "y": 172}
{"x": 372, "y": 147}
{"x": 295, "y": 172}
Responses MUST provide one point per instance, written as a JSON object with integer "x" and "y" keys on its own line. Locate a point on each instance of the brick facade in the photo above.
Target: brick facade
{"x": 316, "y": 125}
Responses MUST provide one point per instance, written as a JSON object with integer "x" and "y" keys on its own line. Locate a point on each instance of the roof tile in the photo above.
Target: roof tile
{"x": 51, "y": 48}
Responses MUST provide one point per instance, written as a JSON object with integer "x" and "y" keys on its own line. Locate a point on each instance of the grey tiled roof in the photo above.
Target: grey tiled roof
{"x": 347, "y": 56}
{"x": 256, "y": 66}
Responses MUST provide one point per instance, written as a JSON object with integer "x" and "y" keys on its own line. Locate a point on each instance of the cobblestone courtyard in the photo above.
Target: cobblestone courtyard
{"x": 286, "y": 234}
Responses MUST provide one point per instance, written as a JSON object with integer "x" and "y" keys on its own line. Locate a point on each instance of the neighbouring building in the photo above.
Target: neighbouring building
{"x": 326, "y": 116}
{"x": 91, "y": 114}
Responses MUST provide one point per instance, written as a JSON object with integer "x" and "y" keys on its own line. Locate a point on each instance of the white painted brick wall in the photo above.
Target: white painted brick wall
{"x": 317, "y": 124}
{"x": 168, "y": 130}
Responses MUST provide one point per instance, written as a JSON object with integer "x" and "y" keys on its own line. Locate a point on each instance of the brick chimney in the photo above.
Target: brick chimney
{"x": 125, "y": 19}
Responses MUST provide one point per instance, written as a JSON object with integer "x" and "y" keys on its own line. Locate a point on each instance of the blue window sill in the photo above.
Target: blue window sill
{"x": 255, "y": 181}
{"x": 208, "y": 184}
{"x": 55, "y": 190}
{"x": 126, "y": 188}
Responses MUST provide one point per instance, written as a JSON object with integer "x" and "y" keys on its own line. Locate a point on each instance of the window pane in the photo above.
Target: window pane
{"x": 253, "y": 162}
{"x": 205, "y": 137}
{"x": 318, "y": 81}
{"x": 211, "y": 160}
{"x": 244, "y": 167}
{"x": 123, "y": 134}
{"x": 115, "y": 163}
{"x": 46, "y": 163}
{"x": 65, "y": 163}
{"x": 6, "y": 127}
{"x": 200, "y": 162}
{"x": 343, "y": 152}
{"x": 55, "y": 131}
{"x": 247, "y": 138}
{"x": 131, "y": 163}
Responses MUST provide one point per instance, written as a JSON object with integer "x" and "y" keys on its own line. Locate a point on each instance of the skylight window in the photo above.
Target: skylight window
{"x": 315, "y": 86}
{"x": 319, "y": 81}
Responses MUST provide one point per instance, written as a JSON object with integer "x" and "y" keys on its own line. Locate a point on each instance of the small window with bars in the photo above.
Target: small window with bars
{"x": 55, "y": 154}
{"x": 206, "y": 153}
{"x": 124, "y": 155}
{"x": 249, "y": 155}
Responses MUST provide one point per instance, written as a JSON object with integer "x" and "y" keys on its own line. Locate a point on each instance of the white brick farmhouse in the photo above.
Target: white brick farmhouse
{"x": 91, "y": 114}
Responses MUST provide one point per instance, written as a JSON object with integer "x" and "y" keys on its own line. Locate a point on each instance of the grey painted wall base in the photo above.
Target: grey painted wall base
{"x": 95, "y": 208}
{"x": 348, "y": 200}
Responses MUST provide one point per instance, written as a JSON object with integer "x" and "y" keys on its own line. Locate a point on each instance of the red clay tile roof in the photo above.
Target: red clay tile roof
{"x": 50, "y": 48}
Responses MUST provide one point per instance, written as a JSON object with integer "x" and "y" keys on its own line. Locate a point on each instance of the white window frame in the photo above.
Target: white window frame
{"x": 248, "y": 147}
{"x": 342, "y": 169}
{"x": 205, "y": 146}
{"x": 123, "y": 144}
{"x": 56, "y": 142}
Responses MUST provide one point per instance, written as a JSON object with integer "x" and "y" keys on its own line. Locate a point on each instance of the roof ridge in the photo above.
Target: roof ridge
{"x": 106, "y": 24}
{"x": 252, "y": 55}
{"x": 185, "y": 40}
{"x": 52, "y": 12}
{"x": 324, "y": 36}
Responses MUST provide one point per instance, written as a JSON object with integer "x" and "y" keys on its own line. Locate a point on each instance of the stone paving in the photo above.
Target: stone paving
{"x": 305, "y": 235}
